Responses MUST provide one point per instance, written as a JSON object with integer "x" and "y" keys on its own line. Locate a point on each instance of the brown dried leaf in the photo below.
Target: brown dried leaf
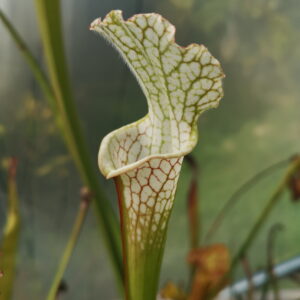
{"x": 172, "y": 291}
{"x": 294, "y": 186}
{"x": 212, "y": 264}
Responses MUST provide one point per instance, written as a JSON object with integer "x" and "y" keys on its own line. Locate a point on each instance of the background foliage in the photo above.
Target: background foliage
{"x": 256, "y": 125}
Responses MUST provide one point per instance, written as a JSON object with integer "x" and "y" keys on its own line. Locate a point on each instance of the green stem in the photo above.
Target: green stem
{"x": 249, "y": 275}
{"x": 61, "y": 101}
{"x": 30, "y": 59}
{"x": 192, "y": 210}
{"x": 79, "y": 221}
{"x": 141, "y": 265}
{"x": 48, "y": 13}
{"x": 11, "y": 234}
{"x": 239, "y": 193}
{"x": 193, "y": 202}
{"x": 295, "y": 165}
{"x": 270, "y": 258}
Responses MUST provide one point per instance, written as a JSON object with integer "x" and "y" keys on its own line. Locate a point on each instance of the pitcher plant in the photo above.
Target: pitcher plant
{"x": 145, "y": 157}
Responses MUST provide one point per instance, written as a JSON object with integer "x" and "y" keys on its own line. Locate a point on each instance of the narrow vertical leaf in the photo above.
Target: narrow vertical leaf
{"x": 9, "y": 243}
{"x": 78, "y": 224}
{"x": 192, "y": 203}
{"x": 49, "y": 18}
{"x": 262, "y": 218}
{"x": 66, "y": 116}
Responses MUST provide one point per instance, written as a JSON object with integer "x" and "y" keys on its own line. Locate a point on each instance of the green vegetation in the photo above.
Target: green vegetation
{"x": 11, "y": 234}
{"x": 256, "y": 125}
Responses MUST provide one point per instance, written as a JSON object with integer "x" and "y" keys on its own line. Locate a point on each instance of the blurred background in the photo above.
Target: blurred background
{"x": 256, "y": 125}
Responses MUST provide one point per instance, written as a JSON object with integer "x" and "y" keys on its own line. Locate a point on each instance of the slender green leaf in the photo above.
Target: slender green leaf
{"x": 9, "y": 244}
{"x": 79, "y": 221}
{"x": 49, "y": 18}
{"x": 261, "y": 219}
{"x": 237, "y": 195}
{"x": 62, "y": 103}
{"x": 30, "y": 59}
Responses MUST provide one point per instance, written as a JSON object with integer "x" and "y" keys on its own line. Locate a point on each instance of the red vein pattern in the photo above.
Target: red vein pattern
{"x": 145, "y": 157}
{"x": 148, "y": 192}
{"x": 179, "y": 83}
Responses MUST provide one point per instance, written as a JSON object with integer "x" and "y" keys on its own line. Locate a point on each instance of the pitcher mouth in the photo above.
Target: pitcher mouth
{"x": 179, "y": 83}
{"x": 111, "y": 169}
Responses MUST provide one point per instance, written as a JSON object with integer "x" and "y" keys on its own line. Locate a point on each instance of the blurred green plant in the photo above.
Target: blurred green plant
{"x": 59, "y": 94}
{"x": 11, "y": 233}
{"x": 85, "y": 198}
{"x": 272, "y": 235}
{"x": 274, "y": 37}
{"x": 193, "y": 203}
{"x": 266, "y": 211}
{"x": 239, "y": 193}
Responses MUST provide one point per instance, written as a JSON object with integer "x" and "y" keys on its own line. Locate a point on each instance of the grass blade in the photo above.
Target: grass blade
{"x": 294, "y": 166}
{"x": 30, "y": 59}
{"x": 79, "y": 221}
{"x": 236, "y": 196}
{"x": 48, "y": 13}
{"x": 61, "y": 101}
{"x": 9, "y": 245}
